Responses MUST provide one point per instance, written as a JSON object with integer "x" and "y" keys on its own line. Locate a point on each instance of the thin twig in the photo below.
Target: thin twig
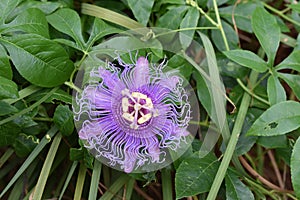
{"x": 276, "y": 170}
{"x": 142, "y": 193}
{"x": 262, "y": 179}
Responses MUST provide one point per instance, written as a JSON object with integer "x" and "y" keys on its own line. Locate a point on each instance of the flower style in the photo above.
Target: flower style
{"x": 134, "y": 114}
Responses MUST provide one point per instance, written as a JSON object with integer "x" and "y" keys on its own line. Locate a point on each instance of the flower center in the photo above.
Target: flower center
{"x": 137, "y": 108}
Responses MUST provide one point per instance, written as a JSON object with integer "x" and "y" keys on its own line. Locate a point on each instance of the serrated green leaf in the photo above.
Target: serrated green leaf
{"x": 6, "y": 108}
{"x": 63, "y": 118}
{"x": 172, "y": 18}
{"x": 267, "y": 31}
{"x": 295, "y": 169}
{"x": 5, "y": 68}
{"x": 293, "y": 81}
{"x": 247, "y": 59}
{"x": 8, "y": 89}
{"x": 279, "y": 119}
{"x": 276, "y": 92}
{"x": 141, "y": 10}
{"x": 235, "y": 188}
{"x": 6, "y": 7}
{"x": 24, "y": 144}
{"x": 291, "y": 62}
{"x": 8, "y": 133}
{"x": 39, "y": 60}
{"x": 231, "y": 36}
{"x": 195, "y": 175}
{"x": 190, "y": 20}
{"x": 68, "y": 21}
{"x": 31, "y": 20}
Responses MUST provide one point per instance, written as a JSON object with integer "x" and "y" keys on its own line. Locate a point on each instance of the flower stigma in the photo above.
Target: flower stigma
{"x": 137, "y": 108}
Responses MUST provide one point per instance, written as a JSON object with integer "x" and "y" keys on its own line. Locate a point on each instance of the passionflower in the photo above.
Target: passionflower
{"x": 133, "y": 115}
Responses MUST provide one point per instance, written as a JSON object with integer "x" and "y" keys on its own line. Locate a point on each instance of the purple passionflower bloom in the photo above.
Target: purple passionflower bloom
{"x": 133, "y": 113}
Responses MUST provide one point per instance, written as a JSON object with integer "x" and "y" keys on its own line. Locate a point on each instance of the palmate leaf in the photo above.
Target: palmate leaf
{"x": 5, "y": 68}
{"x": 6, "y": 7}
{"x": 276, "y": 92}
{"x": 68, "y": 21}
{"x": 295, "y": 170}
{"x": 267, "y": 31}
{"x": 279, "y": 119}
{"x": 141, "y": 10}
{"x": 63, "y": 118}
{"x": 247, "y": 59}
{"x": 39, "y": 60}
{"x": 195, "y": 175}
{"x": 31, "y": 20}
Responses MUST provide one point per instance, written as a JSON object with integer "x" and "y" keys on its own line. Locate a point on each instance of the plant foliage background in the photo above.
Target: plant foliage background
{"x": 253, "y": 45}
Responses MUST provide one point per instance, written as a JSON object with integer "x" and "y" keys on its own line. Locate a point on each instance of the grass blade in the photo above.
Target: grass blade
{"x": 95, "y": 180}
{"x": 80, "y": 182}
{"x": 46, "y": 168}
{"x": 71, "y": 172}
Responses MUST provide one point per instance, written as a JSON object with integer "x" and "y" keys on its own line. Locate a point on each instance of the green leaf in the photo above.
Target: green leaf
{"x": 172, "y": 18}
{"x": 295, "y": 7}
{"x": 279, "y": 119}
{"x": 68, "y": 21}
{"x": 235, "y": 188}
{"x": 267, "y": 31}
{"x": 99, "y": 30}
{"x": 293, "y": 81}
{"x": 8, "y": 89}
{"x": 242, "y": 14}
{"x": 273, "y": 142}
{"x": 8, "y": 133}
{"x": 291, "y": 62}
{"x": 63, "y": 118}
{"x": 31, "y": 20}
{"x": 231, "y": 36}
{"x": 39, "y": 60}
{"x": 295, "y": 169}
{"x": 6, "y": 7}
{"x": 276, "y": 92}
{"x": 6, "y": 108}
{"x": 5, "y": 68}
{"x": 195, "y": 175}
{"x": 141, "y": 10}
{"x": 190, "y": 20}
{"x": 24, "y": 145}
{"x": 247, "y": 59}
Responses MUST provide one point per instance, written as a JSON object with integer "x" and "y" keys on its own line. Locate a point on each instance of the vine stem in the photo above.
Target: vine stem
{"x": 219, "y": 25}
{"x": 233, "y": 140}
{"x": 281, "y": 14}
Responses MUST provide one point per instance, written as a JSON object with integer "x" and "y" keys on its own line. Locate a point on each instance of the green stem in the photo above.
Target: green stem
{"x": 233, "y": 141}
{"x": 252, "y": 93}
{"x": 6, "y": 156}
{"x": 166, "y": 178}
{"x": 40, "y": 186}
{"x": 195, "y": 5}
{"x": 80, "y": 182}
{"x": 219, "y": 25}
{"x": 281, "y": 14}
